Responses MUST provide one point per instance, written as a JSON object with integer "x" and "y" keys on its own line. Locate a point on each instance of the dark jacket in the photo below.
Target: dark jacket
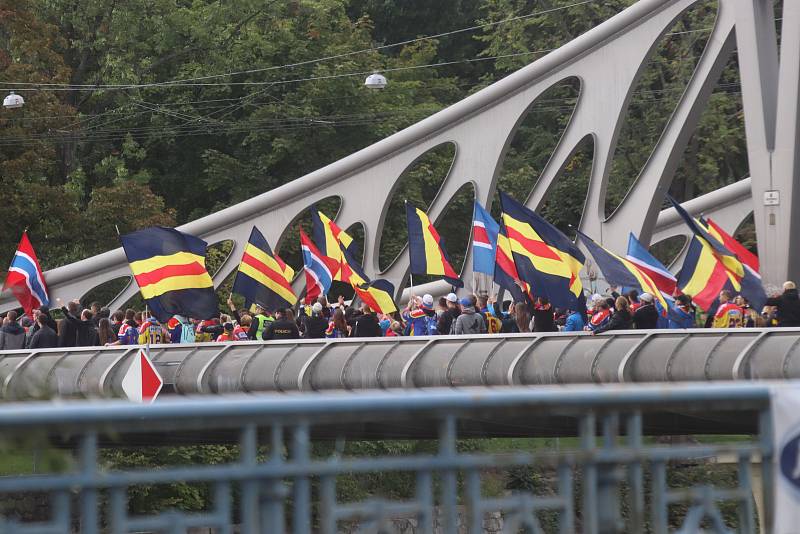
{"x": 544, "y": 320}
{"x": 68, "y": 336}
{"x": 788, "y": 306}
{"x": 621, "y": 320}
{"x": 44, "y": 338}
{"x": 314, "y": 327}
{"x": 281, "y": 329}
{"x": 445, "y": 324}
{"x": 366, "y": 325}
{"x": 12, "y": 337}
{"x": 87, "y": 334}
{"x": 646, "y": 317}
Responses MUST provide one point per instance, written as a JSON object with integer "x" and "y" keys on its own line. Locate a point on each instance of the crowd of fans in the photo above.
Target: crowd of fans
{"x": 472, "y": 314}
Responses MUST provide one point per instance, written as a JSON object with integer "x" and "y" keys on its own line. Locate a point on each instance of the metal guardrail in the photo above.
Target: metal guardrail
{"x": 278, "y": 484}
{"x": 439, "y": 361}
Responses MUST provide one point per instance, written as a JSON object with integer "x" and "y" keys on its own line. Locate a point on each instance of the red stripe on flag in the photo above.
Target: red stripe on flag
{"x": 266, "y": 271}
{"x": 479, "y": 235}
{"x": 537, "y": 248}
{"x": 168, "y": 271}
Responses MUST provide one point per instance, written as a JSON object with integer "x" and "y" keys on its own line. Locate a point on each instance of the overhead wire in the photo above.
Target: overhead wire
{"x": 242, "y": 101}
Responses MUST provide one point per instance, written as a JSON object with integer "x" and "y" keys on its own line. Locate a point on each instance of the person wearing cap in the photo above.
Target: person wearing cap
{"x": 420, "y": 317}
{"x": 645, "y": 317}
{"x": 470, "y": 321}
{"x": 448, "y": 318}
{"x": 314, "y": 326}
{"x": 259, "y": 325}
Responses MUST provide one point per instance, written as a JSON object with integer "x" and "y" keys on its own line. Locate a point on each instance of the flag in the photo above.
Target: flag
{"x": 702, "y": 276}
{"x": 646, "y": 262}
{"x": 425, "y": 249}
{"x": 544, "y": 257}
{"x": 261, "y": 278}
{"x": 318, "y": 273}
{"x": 327, "y": 236}
{"x": 484, "y": 240}
{"x": 620, "y": 271}
{"x": 749, "y": 286}
{"x": 745, "y": 256}
{"x": 505, "y": 272}
{"x": 376, "y": 294}
{"x": 25, "y": 278}
{"x": 170, "y": 269}
{"x": 286, "y": 270}
{"x": 723, "y": 254}
{"x": 699, "y": 268}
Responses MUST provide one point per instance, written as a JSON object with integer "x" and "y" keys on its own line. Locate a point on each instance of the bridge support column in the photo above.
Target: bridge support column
{"x": 770, "y": 96}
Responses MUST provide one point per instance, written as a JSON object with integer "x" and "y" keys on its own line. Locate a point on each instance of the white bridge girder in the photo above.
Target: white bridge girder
{"x": 607, "y": 60}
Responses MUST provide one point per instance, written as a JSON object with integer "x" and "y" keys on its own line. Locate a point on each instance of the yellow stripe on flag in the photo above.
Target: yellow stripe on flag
{"x": 557, "y": 267}
{"x": 265, "y": 280}
{"x": 266, "y": 259}
{"x": 433, "y": 254}
{"x": 175, "y": 283}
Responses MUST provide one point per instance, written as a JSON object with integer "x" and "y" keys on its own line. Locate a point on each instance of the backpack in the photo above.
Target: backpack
{"x": 187, "y": 333}
{"x": 493, "y": 324}
{"x": 431, "y": 325}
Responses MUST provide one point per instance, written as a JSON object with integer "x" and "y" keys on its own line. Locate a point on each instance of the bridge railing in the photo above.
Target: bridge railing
{"x": 629, "y": 356}
{"x": 290, "y": 460}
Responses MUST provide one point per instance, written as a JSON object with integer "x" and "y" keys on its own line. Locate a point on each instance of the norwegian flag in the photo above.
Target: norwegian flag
{"x": 318, "y": 269}
{"x": 638, "y": 255}
{"x": 25, "y": 279}
{"x": 484, "y": 240}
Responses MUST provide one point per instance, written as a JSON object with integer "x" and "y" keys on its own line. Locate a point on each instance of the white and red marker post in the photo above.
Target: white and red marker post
{"x": 141, "y": 382}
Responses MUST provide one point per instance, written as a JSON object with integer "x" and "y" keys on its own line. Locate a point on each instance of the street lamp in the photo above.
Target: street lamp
{"x": 376, "y": 80}
{"x": 13, "y": 101}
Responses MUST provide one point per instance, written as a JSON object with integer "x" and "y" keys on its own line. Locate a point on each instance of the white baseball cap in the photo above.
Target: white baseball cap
{"x": 452, "y": 298}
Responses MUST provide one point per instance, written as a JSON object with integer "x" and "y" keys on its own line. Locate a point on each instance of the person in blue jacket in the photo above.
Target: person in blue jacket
{"x": 575, "y": 321}
{"x": 682, "y": 314}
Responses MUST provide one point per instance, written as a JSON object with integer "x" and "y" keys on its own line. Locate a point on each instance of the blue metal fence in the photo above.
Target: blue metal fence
{"x": 600, "y": 481}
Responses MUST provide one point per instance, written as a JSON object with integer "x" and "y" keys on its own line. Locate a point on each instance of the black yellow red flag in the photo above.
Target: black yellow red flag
{"x": 170, "y": 268}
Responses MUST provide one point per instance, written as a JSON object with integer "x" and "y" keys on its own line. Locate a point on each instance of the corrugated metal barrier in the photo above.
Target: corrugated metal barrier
{"x": 454, "y": 361}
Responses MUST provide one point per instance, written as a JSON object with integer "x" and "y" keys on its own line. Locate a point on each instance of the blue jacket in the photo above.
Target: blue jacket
{"x": 680, "y": 319}
{"x": 419, "y": 323}
{"x": 575, "y": 322}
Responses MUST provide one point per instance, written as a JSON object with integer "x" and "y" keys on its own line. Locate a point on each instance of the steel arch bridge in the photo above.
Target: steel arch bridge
{"x": 608, "y": 61}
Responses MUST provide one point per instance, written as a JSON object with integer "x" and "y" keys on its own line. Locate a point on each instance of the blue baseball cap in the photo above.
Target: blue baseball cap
{"x": 466, "y": 301}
